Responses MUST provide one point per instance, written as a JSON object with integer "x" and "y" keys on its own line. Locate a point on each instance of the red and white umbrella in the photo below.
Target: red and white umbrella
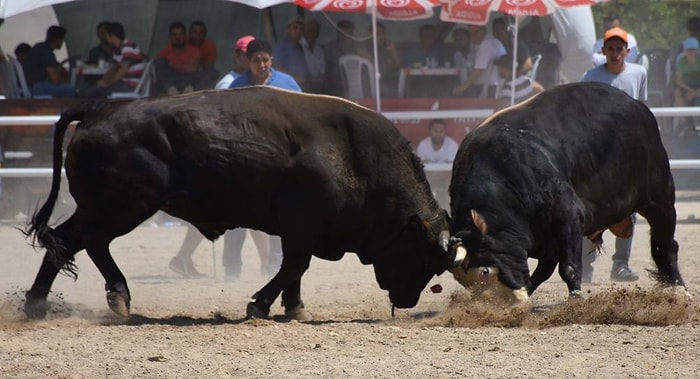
{"x": 477, "y": 12}
{"x": 385, "y": 9}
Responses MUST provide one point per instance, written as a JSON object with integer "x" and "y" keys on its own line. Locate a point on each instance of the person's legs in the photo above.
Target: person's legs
{"x": 51, "y": 89}
{"x": 623, "y": 248}
{"x": 262, "y": 243}
{"x": 182, "y": 261}
{"x": 275, "y": 261}
{"x": 588, "y": 255}
{"x": 231, "y": 258}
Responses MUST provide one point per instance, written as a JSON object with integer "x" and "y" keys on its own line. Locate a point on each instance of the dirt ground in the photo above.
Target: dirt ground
{"x": 187, "y": 328}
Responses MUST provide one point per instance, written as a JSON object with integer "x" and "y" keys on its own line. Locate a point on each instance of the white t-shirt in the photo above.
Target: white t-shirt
{"x": 632, "y": 80}
{"x": 226, "y": 81}
{"x": 446, "y": 153}
{"x": 489, "y": 49}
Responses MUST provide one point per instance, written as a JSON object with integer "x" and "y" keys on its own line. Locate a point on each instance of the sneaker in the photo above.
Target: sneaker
{"x": 185, "y": 269}
{"x": 188, "y": 89}
{"x": 173, "y": 91}
{"x": 623, "y": 274}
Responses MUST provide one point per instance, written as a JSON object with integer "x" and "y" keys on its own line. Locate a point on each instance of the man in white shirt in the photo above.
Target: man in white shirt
{"x": 632, "y": 79}
{"x": 438, "y": 148}
{"x": 315, "y": 57}
{"x": 482, "y": 80}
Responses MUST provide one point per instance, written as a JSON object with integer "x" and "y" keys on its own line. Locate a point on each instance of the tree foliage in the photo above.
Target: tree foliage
{"x": 657, "y": 24}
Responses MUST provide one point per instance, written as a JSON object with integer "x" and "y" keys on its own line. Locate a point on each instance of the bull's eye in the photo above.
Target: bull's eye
{"x": 484, "y": 274}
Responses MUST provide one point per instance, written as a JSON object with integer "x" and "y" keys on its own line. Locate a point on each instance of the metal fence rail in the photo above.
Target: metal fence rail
{"x": 467, "y": 113}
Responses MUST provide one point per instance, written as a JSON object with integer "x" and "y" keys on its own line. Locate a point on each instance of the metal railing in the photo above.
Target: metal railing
{"x": 395, "y": 116}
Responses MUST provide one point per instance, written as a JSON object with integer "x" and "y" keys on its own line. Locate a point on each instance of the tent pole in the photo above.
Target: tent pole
{"x": 377, "y": 94}
{"x": 515, "y": 56}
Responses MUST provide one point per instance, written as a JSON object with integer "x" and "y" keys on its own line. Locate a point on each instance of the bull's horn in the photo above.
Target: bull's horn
{"x": 456, "y": 253}
{"x": 460, "y": 255}
{"x": 444, "y": 241}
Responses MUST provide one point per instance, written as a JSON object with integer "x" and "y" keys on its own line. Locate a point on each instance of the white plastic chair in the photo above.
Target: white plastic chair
{"x": 20, "y": 81}
{"x": 143, "y": 88}
{"x": 352, "y": 71}
{"x": 536, "y": 59}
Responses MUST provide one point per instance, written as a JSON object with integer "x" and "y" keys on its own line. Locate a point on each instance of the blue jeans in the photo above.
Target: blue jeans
{"x": 103, "y": 92}
{"x": 51, "y": 89}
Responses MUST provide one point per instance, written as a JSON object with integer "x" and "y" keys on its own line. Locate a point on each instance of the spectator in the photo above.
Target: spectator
{"x": 260, "y": 72}
{"x": 388, "y": 58}
{"x": 343, "y": 44}
{"x": 610, "y": 22}
{"x": 687, "y": 88}
{"x": 430, "y": 52}
{"x": 499, "y": 28}
{"x": 22, "y": 52}
{"x": 500, "y": 31}
{"x": 482, "y": 79}
{"x": 198, "y": 39}
{"x": 179, "y": 67}
{"x": 438, "y": 148}
{"x": 632, "y": 79}
{"x": 129, "y": 63}
{"x": 463, "y": 55}
{"x": 44, "y": 75}
{"x": 240, "y": 62}
{"x": 315, "y": 57}
{"x": 207, "y": 48}
{"x": 289, "y": 55}
{"x": 233, "y": 239}
{"x": 521, "y": 88}
{"x": 103, "y": 51}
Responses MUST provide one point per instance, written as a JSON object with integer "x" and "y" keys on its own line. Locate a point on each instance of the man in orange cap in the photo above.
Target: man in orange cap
{"x": 632, "y": 79}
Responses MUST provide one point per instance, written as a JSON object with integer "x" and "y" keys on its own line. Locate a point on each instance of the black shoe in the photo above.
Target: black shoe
{"x": 623, "y": 274}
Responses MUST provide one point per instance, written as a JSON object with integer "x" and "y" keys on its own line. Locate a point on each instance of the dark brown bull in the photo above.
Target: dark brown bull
{"x": 326, "y": 175}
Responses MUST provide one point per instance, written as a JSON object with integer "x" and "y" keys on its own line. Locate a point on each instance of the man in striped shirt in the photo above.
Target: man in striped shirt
{"x": 129, "y": 63}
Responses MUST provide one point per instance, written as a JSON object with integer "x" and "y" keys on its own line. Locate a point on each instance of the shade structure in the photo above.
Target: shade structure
{"x": 384, "y": 9}
{"x": 9, "y": 8}
{"x": 476, "y": 12}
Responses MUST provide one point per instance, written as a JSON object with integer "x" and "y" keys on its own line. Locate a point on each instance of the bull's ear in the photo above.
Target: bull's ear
{"x": 479, "y": 222}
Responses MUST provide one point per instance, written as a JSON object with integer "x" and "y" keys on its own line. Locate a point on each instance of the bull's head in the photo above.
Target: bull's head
{"x": 412, "y": 258}
{"x": 484, "y": 264}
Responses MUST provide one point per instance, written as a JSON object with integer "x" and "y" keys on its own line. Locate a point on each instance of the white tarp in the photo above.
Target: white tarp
{"x": 9, "y": 8}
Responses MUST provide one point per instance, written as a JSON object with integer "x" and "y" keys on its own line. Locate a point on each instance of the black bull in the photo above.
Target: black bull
{"x": 533, "y": 180}
{"x": 326, "y": 175}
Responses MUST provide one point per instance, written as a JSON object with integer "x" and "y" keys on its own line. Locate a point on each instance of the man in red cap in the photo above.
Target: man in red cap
{"x": 240, "y": 62}
{"x": 632, "y": 79}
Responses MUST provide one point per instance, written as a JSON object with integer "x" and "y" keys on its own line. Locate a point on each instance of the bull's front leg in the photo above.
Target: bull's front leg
{"x": 288, "y": 279}
{"x": 568, "y": 236}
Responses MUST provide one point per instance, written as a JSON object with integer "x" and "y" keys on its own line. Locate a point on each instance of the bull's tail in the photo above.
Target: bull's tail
{"x": 41, "y": 234}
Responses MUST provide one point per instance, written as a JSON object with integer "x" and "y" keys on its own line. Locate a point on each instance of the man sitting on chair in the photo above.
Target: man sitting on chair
{"x": 128, "y": 66}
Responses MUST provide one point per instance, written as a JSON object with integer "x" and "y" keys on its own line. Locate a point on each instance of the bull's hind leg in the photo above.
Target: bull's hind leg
{"x": 661, "y": 217}
{"x": 57, "y": 257}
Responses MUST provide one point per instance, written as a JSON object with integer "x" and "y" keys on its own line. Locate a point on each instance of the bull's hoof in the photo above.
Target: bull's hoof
{"x": 298, "y": 313}
{"x": 253, "y": 311}
{"x": 35, "y": 307}
{"x": 118, "y": 303}
{"x": 576, "y": 295}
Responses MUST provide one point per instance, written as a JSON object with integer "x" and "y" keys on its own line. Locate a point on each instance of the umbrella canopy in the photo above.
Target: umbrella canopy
{"x": 10, "y": 8}
{"x": 385, "y": 9}
{"x": 477, "y": 12}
